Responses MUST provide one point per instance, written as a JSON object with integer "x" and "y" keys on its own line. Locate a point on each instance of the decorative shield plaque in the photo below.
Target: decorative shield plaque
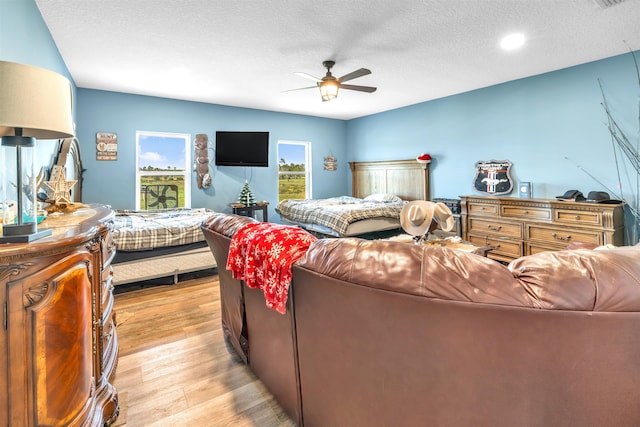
{"x": 493, "y": 177}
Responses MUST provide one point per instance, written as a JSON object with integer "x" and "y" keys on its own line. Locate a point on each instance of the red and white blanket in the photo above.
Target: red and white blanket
{"x": 262, "y": 253}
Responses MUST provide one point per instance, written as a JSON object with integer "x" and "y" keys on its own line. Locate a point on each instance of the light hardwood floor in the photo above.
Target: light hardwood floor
{"x": 174, "y": 368}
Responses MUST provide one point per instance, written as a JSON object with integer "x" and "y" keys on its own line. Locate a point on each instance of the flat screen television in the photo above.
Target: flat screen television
{"x": 242, "y": 148}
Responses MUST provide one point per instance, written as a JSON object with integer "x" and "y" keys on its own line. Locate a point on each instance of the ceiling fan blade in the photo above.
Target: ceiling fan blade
{"x": 301, "y": 88}
{"x": 308, "y": 76}
{"x": 355, "y": 74}
{"x": 369, "y": 89}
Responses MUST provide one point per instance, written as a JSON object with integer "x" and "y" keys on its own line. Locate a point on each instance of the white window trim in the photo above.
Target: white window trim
{"x": 307, "y": 160}
{"x": 186, "y": 173}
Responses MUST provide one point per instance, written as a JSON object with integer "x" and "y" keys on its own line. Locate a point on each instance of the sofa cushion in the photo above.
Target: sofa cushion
{"x": 427, "y": 271}
{"x": 227, "y": 224}
{"x": 603, "y": 279}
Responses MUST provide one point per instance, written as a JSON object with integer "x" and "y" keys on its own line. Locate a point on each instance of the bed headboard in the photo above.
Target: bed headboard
{"x": 407, "y": 179}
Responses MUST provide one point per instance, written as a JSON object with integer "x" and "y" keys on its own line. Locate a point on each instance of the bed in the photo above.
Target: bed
{"x": 159, "y": 243}
{"x": 379, "y": 191}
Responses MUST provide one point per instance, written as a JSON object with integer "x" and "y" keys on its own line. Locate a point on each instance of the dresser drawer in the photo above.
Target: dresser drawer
{"x": 562, "y": 235}
{"x": 532, "y": 248}
{"x": 505, "y": 247}
{"x": 482, "y": 209}
{"x": 497, "y": 228}
{"x": 526, "y": 212}
{"x": 578, "y": 217}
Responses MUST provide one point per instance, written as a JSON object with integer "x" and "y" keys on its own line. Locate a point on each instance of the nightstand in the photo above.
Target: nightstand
{"x": 251, "y": 210}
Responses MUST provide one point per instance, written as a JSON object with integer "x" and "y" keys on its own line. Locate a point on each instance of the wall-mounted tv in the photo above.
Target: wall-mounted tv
{"x": 242, "y": 148}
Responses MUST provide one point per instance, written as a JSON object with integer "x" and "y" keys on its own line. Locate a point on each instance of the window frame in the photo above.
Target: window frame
{"x": 186, "y": 173}
{"x": 307, "y": 164}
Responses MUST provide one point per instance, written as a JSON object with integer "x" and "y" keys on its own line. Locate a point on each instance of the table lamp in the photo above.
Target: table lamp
{"x": 35, "y": 103}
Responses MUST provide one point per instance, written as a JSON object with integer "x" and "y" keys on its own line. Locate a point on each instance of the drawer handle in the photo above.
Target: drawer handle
{"x": 494, "y": 228}
{"x": 526, "y": 212}
{"x": 577, "y": 217}
{"x": 566, "y": 238}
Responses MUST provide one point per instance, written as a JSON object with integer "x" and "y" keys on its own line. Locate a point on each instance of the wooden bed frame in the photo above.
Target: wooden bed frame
{"x": 407, "y": 179}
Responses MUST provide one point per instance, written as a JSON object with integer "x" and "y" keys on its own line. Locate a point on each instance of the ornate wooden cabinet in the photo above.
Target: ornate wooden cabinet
{"x": 515, "y": 227}
{"x": 58, "y": 344}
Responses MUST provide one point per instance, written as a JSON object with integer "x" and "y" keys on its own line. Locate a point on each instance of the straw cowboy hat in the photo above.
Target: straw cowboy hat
{"x": 416, "y": 217}
{"x": 443, "y": 216}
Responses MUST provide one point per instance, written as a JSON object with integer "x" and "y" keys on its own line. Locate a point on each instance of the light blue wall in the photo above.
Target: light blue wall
{"x": 552, "y": 127}
{"x": 24, "y": 38}
{"x": 113, "y": 182}
{"x": 536, "y": 123}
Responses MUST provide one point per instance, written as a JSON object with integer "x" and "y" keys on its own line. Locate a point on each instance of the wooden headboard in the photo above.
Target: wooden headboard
{"x": 407, "y": 179}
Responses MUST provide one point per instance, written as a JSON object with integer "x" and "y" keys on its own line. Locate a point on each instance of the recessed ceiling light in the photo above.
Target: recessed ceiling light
{"x": 512, "y": 41}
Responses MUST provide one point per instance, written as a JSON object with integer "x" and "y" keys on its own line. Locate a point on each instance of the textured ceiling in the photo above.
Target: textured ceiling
{"x": 245, "y": 52}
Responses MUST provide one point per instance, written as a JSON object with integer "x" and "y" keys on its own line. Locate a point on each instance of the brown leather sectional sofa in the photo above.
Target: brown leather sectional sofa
{"x": 381, "y": 333}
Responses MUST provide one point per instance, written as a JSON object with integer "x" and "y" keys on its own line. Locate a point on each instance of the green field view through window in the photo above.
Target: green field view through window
{"x": 293, "y": 173}
{"x": 291, "y": 186}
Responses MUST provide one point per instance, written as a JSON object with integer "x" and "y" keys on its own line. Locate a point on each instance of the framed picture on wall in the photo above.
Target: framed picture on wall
{"x": 106, "y": 146}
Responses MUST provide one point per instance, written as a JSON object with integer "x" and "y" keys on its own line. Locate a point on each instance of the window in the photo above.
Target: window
{"x": 162, "y": 170}
{"x": 294, "y": 170}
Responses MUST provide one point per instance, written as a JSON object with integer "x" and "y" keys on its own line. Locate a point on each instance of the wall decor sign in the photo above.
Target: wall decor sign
{"x": 202, "y": 160}
{"x": 493, "y": 177}
{"x": 330, "y": 162}
{"x": 106, "y": 146}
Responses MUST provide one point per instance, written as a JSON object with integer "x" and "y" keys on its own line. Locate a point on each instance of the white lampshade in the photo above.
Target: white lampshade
{"x": 36, "y": 100}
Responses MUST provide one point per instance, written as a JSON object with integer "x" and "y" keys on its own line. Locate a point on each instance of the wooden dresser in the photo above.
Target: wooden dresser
{"x": 515, "y": 227}
{"x": 58, "y": 343}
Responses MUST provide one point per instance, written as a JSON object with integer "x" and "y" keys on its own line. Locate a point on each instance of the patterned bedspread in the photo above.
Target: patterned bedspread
{"x": 336, "y": 212}
{"x": 144, "y": 230}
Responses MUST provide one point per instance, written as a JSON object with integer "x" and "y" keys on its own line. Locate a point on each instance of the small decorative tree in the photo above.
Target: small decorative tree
{"x": 246, "y": 195}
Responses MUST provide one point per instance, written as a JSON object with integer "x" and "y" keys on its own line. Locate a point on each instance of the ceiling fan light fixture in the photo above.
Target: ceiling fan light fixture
{"x": 329, "y": 89}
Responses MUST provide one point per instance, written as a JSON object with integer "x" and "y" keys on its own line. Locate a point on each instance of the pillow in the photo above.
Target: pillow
{"x": 382, "y": 197}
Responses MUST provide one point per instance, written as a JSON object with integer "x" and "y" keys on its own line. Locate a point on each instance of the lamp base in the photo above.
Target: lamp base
{"x": 25, "y": 238}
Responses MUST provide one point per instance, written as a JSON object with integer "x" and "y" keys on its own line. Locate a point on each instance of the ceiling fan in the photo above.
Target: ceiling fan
{"x": 330, "y": 84}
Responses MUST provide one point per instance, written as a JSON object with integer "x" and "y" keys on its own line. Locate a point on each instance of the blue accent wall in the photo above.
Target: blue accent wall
{"x": 113, "y": 182}
{"x": 552, "y": 127}
{"x": 25, "y": 38}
